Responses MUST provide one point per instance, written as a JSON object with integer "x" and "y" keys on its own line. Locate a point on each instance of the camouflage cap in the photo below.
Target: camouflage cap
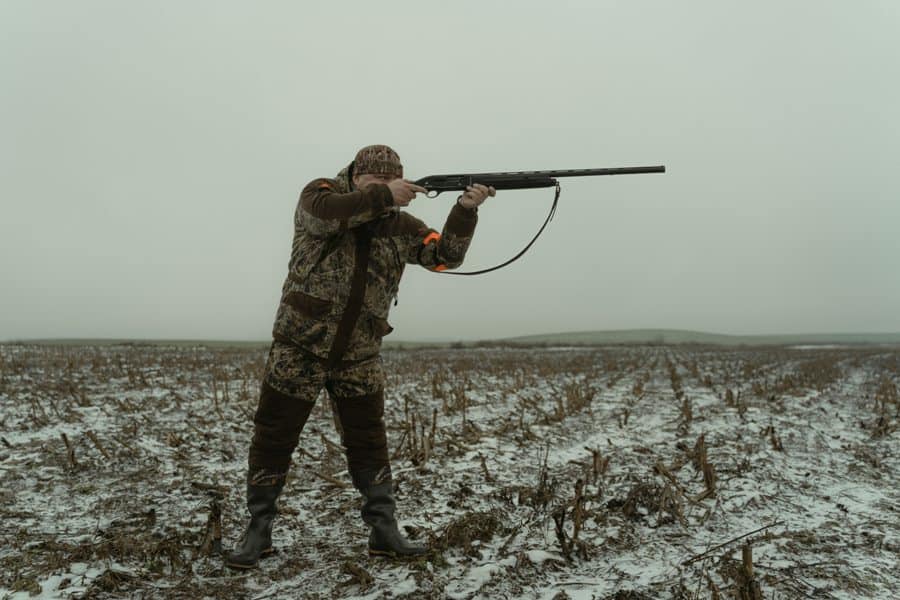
{"x": 377, "y": 160}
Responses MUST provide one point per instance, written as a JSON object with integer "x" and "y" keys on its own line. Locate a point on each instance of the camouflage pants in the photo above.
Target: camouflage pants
{"x": 290, "y": 386}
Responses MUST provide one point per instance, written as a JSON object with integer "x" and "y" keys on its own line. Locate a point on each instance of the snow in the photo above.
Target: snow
{"x": 539, "y": 556}
{"x": 473, "y": 580}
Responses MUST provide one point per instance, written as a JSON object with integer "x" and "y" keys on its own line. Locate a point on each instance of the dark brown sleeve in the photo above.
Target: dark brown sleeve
{"x": 323, "y": 210}
{"x": 461, "y": 221}
{"x": 445, "y": 250}
{"x": 320, "y": 200}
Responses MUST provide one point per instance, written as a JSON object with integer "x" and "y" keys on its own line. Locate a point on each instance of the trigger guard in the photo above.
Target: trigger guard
{"x": 433, "y": 194}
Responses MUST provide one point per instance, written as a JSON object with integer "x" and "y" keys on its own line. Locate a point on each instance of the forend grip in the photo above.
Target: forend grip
{"x": 499, "y": 181}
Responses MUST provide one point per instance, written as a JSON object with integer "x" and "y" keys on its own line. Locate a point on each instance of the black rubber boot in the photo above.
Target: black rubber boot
{"x": 257, "y": 540}
{"x": 378, "y": 513}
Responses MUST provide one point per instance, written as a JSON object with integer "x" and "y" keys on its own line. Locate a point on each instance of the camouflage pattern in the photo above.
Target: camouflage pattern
{"x": 263, "y": 477}
{"x": 293, "y": 373}
{"x": 316, "y": 294}
{"x": 349, "y": 251}
{"x": 378, "y": 160}
{"x": 291, "y": 384}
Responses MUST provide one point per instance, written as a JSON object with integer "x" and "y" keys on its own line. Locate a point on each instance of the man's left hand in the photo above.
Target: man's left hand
{"x": 475, "y": 195}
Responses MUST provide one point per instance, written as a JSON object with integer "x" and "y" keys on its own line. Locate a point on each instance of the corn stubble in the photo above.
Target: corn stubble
{"x": 560, "y": 467}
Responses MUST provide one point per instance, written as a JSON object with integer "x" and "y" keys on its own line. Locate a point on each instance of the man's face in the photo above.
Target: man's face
{"x": 366, "y": 179}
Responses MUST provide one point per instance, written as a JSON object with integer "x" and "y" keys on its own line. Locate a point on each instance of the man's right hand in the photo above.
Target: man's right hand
{"x": 404, "y": 191}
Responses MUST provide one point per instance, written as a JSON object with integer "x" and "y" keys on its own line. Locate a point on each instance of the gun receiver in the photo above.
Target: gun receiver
{"x": 519, "y": 180}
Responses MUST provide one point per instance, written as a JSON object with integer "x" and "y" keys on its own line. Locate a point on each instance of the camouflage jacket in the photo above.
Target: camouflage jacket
{"x": 349, "y": 251}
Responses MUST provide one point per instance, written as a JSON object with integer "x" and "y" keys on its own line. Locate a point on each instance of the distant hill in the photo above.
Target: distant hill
{"x": 573, "y": 338}
{"x": 678, "y": 336}
{"x": 140, "y": 342}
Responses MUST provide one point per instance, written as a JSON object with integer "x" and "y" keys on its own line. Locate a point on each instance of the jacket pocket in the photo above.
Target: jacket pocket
{"x": 380, "y": 327}
{"x": 308, "y": 306}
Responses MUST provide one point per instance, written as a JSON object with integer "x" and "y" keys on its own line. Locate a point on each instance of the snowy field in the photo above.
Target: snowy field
{"x": 638, "y": 472}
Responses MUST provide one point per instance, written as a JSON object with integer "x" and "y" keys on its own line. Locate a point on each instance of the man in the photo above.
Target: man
{"x": 351, "y": 243}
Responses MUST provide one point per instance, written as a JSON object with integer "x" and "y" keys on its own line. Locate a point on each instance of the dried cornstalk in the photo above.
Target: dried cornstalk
{"x": 559, "y": 519}
{"x": 434, "y": 416}
{"x": 701, "y": 462}
{"x": 775, "y": 440}
{"x": 578, "y": 510}
{"x": 709, "y": 480}
{"x": 698, "y": 454}
{"x": 729, "y": 397}
{"x": 212, "y": 537}
{"x": 70, "y": 451}
{"x": 360, "y": 575}
{"x": 687, "y": 411}
{"x": 748, "y": 587}
{"x": 708, "y": 551}
{"x": 741, "y": 405}
{"x": 96, "y": 441}
{"x": 413, "y": 438}
{"x": 487, "y": 475}
{"x": 465, "y": 410}
{"x": 330, "y": 479}
{"x": 426, "y": 447}
{"x": 400, "y": 444}
{"x": 331, "y": 445}
{"x": 599, "y": 464}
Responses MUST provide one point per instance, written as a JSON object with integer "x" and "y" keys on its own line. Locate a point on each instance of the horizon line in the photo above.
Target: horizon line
{"x": 649, "y": 330}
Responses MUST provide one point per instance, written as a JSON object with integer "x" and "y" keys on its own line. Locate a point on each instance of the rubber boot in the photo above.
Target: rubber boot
{"x": 385, "y": 538}
{"x": 257, "y": 540}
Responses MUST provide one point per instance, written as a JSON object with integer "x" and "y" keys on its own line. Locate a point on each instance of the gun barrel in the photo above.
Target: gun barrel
{"x": 518, "y": 180}
{"x": 612, "y": 171}
{"x": 576, "y": 172}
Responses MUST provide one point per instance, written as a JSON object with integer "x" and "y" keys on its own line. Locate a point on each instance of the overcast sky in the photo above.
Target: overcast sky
{"x": 152, "y": 153}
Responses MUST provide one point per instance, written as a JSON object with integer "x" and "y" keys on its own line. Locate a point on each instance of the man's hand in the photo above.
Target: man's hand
{"x": 404, "y": 191}
{"x": 475, "y": 195}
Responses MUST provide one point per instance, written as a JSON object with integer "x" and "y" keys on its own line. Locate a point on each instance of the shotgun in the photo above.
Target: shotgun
{"x": 519, "y": 180}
